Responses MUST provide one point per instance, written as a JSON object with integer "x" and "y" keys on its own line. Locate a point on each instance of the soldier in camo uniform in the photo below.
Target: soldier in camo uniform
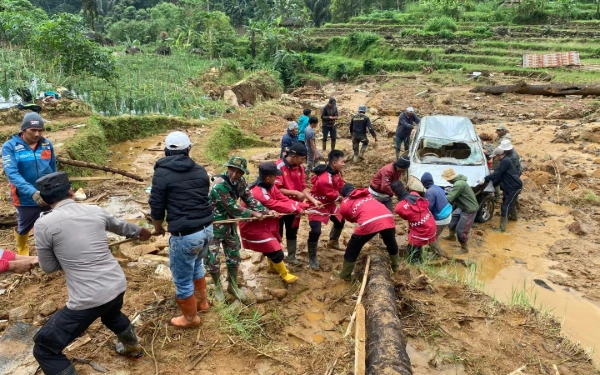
{"x": 226, "y": 190}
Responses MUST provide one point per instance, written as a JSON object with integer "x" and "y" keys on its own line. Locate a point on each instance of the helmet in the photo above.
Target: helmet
{"x": 362, "y": 108}
{"x": 239, "y": 163}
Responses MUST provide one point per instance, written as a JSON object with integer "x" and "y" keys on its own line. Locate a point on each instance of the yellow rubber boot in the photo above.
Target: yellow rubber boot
{"x": 283, "y": 272}
{"x": 271, "y": 266}
{"x": 22, "y": 243}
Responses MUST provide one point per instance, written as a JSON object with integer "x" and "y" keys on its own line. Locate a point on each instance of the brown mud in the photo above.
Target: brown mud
{"x": 450, "y": 328}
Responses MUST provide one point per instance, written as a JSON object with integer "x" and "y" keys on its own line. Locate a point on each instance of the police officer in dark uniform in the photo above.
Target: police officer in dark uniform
{"x": 359, "y": 125}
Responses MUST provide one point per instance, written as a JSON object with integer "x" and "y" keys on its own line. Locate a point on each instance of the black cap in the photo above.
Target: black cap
{"x": 32, "y": 120}
{"x": 347, "y": 189}
{"x": 332, "y": 100}
{"x": 52, "y": 180}
{"x": 268, "y": 168}
{"x": 402, "y": 163}
{"x": 298, "y": 149}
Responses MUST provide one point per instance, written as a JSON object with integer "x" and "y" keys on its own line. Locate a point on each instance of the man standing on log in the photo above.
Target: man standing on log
{"x": 405, "y": 128}
{"x": 329, "y": 116}
{"x": 263, "y": 236}
{"x": 511, "y": 185}
{"x": 372, "y": 218}
{"x": 380, "y": 187}
{"x": 26, "y": 157}
{"x": 359, "y": 125}
{"x": 226, "y": 190}
{"x": 181, "y": 188}
{"x": 465, "y": 207}
{"x": 327, "y": 182}
{"x": 72, "y": 238}
{"x": 292, "y": 184}
{"x": 311, "y": 144}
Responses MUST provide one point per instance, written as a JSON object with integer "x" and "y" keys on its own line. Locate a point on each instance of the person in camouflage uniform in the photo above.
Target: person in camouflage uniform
{"x": 226, "y": 190}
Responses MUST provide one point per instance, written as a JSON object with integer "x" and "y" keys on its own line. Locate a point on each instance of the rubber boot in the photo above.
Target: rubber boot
{"x": 312, "y": 255}
{"x": 416, "y": 256}
{"x": 128, "y": 344}
{"x": 355, "y": 158}
{"x": 512, "y": 214}
{"x": 451, "y": 236}
{"x": 291, "y": 250}
{"x": 22, "y": 243}
{"x": 334, "y": 239}
{"x": 333, "y": 144}
{"x": 324, "y": 145}
{"x": 395, "y": 262}
{"x": 283, "y": 272}
{"x": 271, "y": 266}
{"x": 502, "y": 227}
{"x": 435, "y": 247}
{"x": 346, "y": 272}
{"x": 397, "y": 154}
{"x": 200, "y": 293}
{"x": 68, "y": 371}
{"x": 232, "y": 286}
{"x": 363, "y": 149}
{"x": 464, "y": 248}
{"x": 219, "y": 295}
{"x": 189, "y": 317}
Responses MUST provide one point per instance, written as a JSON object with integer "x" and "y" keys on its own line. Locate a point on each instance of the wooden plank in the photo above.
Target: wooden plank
{"x": 360, "y": 338}
{"x": 360, "y": 295}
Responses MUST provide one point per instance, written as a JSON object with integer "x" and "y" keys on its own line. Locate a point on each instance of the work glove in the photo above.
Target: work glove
{"x": 38, "y": 199}
{"x": 482, "y": 181}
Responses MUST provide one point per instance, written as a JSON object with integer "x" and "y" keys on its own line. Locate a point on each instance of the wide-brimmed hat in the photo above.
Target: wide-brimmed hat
{"x": 449, "y": 174}
{"x": 506, "y": 145}
{"x": 239, "y": 163}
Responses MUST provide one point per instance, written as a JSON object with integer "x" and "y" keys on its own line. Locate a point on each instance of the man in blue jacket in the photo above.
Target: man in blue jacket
{"x": 404, "y": 129}
{"x": 26, "y": 157}
{"x": 439, "y": 207}
{"x": 289, "y": 138}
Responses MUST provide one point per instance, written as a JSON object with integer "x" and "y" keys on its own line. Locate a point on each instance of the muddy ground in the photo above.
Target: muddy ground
{"x": 451, "y": 328}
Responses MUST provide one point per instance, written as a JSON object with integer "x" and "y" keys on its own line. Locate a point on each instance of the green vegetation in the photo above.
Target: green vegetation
{"x": 89, "y": 144}
{"x": 227, "y": 137}
{"x": 244, "y": 322}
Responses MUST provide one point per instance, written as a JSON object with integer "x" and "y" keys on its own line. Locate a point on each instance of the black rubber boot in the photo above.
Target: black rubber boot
{"x": 334, "y": 239}
{"x": 232, "y": 286}
{"x": 128, "y": 344}
{"x": 395, "y": 262}
{"x": 312, "y": 255}
{"x": 512, "y": 214}
{"x": 291, "y": 250}
{"x": 219, "y": 295}
{"x": 333, "y": 144}
{"x": 346, "y": 272}
{"x": 69, "y": 371}
{"x": 324, "y": 145}
{"x": 363, "y": 149}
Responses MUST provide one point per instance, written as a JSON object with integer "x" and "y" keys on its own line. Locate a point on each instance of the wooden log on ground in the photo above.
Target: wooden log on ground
{"x": 522, "y": 87}
{"x": 386, "y": 344}
{"x": 85, "y": 164}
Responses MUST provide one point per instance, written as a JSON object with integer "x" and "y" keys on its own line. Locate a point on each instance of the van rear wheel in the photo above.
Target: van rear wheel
{"x": 486, "y": 209}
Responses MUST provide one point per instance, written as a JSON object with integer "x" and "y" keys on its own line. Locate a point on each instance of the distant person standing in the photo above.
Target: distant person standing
{"x": 405, "y": 128}
{"x": 359, "y": 125}
{"x": 303, "y": 124}
{"x": 311, "y": 144}
{"x": 26, "y": 157}
{"x": 329, "y": 116}
{"x": 289, "y": 138}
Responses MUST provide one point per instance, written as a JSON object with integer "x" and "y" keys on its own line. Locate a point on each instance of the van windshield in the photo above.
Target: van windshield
{"x": 444, "y": 151}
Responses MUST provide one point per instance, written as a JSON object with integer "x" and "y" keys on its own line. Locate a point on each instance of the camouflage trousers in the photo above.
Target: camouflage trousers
{"x": 225, "y": 234}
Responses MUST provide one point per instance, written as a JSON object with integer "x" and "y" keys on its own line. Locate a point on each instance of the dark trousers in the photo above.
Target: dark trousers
{"x": 275, "y": 256}
{"x": 461, "y": 223}
{"x": 315, "y": 228}
{"x": 357, "y": 242}
{"x": 27, "y": 216}
{"x": 291, "y": 233}
{"x": 66, "y": 325}
{"x": 329, "y": 130}
{"x": 509, "y": 200}
{"x": 402, "y": 140}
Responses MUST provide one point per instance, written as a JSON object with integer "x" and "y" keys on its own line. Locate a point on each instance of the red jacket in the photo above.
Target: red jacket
{"x": 5, "y": 257}
{"x": 372, "y": 216}
{"x": 326, "y": 186}
{"x": 293, "y": 178}
{"x": 263, "y": 235}
{"x": 383, "y": 179}
{"x": 421, "y": 224}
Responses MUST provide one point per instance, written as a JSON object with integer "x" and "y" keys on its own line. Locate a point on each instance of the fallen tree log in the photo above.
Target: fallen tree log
{"x": 522, "y": 87}
{"x": 386, "y": 344}
{"x": 85, "y": 164}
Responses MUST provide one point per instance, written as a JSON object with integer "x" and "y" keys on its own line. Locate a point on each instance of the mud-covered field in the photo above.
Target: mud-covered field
{"x": 485, "y": 327}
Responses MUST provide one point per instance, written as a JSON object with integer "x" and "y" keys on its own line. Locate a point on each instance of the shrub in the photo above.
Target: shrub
{"x": 440, "y": 23}
{"x": 445, "y": 33}
{"x": 410, "y": 31}
{"x": 359, "y": 41}
{"x": 482, "y": 30}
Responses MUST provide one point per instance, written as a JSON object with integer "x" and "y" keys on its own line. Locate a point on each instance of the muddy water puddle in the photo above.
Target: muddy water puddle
{"x": 139, "y": 155}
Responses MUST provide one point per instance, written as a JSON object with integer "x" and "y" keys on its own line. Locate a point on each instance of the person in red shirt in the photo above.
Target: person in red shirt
{"x": 372, "y": 218}
{"x": 11, "y": 262}
{"x": 292, "y": 184}
{"x": 415, "y": 209}
{"x": 263, "y": 236}
{"x": 327, "y": 182}
{"x": 380, "y": 187}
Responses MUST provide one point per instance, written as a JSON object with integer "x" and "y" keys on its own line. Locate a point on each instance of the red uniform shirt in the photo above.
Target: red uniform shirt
{"x": 263, "y": 235}
{"x": 383, "y": 179}
{"x": 326, "y": 186}
{"x": 421, "y": 224}
{"x": 293, "y": 177}
{"x": 372, "y": 216}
